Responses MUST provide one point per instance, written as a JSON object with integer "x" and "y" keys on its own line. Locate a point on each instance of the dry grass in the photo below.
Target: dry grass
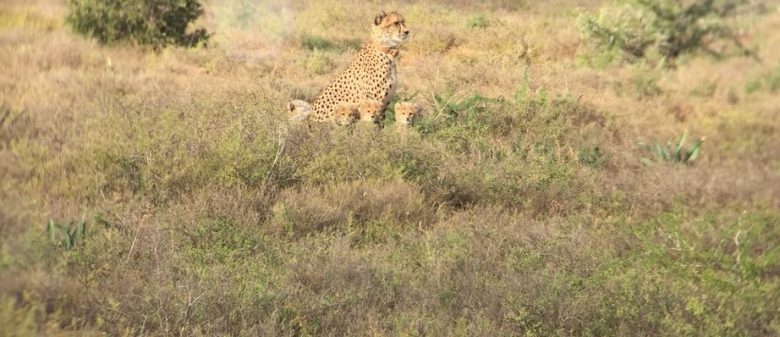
{"x": 518, "y": 205}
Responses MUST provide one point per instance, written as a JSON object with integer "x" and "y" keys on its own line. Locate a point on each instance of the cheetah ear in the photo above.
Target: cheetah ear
{"x": 379, "y": 16}
{"x": 290, "y": 106}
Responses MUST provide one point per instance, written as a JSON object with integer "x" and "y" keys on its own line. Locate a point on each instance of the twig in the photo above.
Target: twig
{"x": 736, "y": 243}
{"x": 279, "y": 153}
{"x": 132, "y": 245}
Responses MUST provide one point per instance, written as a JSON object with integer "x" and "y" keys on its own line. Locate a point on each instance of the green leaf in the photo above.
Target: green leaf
{"x": 678, "y": 149}
{"x": 695, "y": 150}
{"x": 80, "y": 229}
{"x": 52, "y": 229}
{"x": 65, "y": 242}
{"x": 662, "y": 152}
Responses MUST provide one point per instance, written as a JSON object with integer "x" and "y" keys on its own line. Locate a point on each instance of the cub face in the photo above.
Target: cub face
{"x": 345, "y": 114}
{"x": 389, "y": 29}
{"x": 370, "y": 111}
{"x": 405, "y": 114}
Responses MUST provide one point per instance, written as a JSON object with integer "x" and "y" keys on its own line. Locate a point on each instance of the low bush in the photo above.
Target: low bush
{"x": 153, "y": 22}
{"x": 665, "y": 29}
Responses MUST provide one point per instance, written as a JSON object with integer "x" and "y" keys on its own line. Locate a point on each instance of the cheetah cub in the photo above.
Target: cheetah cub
{"x": 298, "y": 110}
{"x": 405, "y": 114}
{"x": 345, "y": 114}
{"x": 370, "y": 111}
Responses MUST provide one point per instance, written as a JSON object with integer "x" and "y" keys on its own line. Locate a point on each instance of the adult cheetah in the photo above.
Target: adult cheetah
{"x": 370, "y": 76}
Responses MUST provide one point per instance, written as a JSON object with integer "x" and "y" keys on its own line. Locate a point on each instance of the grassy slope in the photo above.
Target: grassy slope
{"x": 496, "y": 216}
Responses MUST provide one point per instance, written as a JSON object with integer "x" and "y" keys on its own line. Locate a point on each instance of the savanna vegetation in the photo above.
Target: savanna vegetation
{"x": 559, "y": 183}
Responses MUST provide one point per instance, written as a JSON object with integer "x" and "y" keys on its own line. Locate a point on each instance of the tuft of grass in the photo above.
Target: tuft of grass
{"x": 679, "y": 153}
{"x": 753, "y": 86}
{"x": 705, "y": 89}
{"x": 67, "y": 236}
{"x": 477, "y": 22}
{"x": 773, "y": 80}
{"x": 592, "y": 156}
{"x": 319, "y": 43}
{"x": 311, "y": 42}
{"x": 20, "y": 19}
{"x": 769, "y": 82}
{"x": 645, "y": 86}
{"x": 318, "y": 62}
{"x": 364, "y": 211}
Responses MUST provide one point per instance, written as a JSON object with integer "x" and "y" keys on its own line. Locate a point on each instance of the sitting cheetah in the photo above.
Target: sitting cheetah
{"x": 371, "y": 75}
{"x": 405, "y": 114}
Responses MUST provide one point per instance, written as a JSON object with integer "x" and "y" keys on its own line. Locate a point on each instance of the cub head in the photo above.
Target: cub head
{"x": 298, "y": 110}
{"x": 405, "y": 114}
{"x": 389, "y": 29}
{"x": 370, "y": 111}
{"x": 345, "y": 114}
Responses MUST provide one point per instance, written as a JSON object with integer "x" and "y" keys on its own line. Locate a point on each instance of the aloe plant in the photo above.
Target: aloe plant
{"x": 676, "y": 153}
{"x": 67, "y": 236}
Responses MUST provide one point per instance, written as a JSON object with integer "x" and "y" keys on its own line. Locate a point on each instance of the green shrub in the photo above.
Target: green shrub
{"x": 665, "y": 29}
{"x": 526, "y": 149}
{"x": 477, "y": 21}
{"x": 153, "y": 22}
{"x": 313, "y": 42}
{"x": 318, "y": 62}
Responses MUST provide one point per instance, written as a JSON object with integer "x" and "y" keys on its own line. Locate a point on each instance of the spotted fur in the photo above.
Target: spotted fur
{"x": 298, "y": 110}
{"x": 370, "y": 111}
{"x": 345, "y": 114}
{"x": 371, "y": 75}
{"x": 405, "y": 114}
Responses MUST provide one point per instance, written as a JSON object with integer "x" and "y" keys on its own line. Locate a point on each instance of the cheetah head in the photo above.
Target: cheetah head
{"x": 389, "y": 29}
{"x": 370, "y": 111}
{"x": 345, "y": 114}
{"x": 405, "y": 113}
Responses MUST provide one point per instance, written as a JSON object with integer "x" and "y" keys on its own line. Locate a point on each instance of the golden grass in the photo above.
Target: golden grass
{"x": 518, "y": 205}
